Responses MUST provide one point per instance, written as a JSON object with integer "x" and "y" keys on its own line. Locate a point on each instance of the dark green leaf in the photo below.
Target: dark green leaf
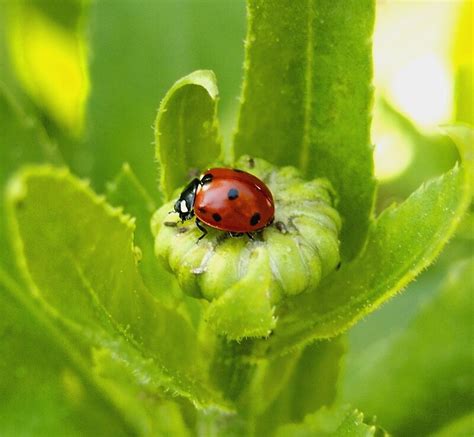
{"x": 187, "y": 131}
{"x": 82, "y": 267}
{"x": 424, "y": 370}
{"x": 403, "y": 241}
{"x": 307, "y": 96}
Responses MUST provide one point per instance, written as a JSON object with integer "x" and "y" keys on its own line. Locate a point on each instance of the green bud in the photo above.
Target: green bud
{"x": 245, "y": 280}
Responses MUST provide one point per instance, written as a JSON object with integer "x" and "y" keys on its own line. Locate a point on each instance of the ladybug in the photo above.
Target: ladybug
{"x": 227, "y": 199}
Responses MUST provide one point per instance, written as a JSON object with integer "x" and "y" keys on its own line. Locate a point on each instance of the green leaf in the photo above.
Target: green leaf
{"x": 81, "y": 265}
{"x": 310, "y": 384}
{"x": 47, "y": 43}
{"x": 22, "y": 140}
{"x": 402, "y": 242}
{"x": 163, "y": 40}
{"x": 126, "y": 191}
{"x": 43, "y": 390}
{"x": 458, "y": 428}
{"x": 335, "y": 423}
{"x": 464, "y": 65}
{"x": 426, "y": 369}
{"x": 187, "y": 131}
{"x": 307, "y": 95}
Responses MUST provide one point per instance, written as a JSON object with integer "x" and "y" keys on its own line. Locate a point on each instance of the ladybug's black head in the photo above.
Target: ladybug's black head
{"x": 184, "y": 206}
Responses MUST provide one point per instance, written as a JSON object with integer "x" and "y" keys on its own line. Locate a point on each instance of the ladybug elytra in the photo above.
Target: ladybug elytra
{"x": 229, "y": 200}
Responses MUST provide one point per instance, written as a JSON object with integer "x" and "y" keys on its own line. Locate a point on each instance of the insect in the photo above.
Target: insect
{"x": 227, "y": 199}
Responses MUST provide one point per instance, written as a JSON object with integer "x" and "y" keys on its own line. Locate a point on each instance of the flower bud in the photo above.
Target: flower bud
{"x": 245, "y": 279}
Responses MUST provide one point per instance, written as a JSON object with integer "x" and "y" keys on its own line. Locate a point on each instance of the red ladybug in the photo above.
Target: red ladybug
{"x": 227, "y": 199}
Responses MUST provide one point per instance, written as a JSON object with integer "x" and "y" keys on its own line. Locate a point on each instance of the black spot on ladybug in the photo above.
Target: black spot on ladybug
{"x": 238, "y": 170}
{"x": 232, "y": 194}
{"x": 255, "y": 219}
{"x": 202, "y": 209}
{"x": 207, "y": 178}
{"x": 216, "y": 217}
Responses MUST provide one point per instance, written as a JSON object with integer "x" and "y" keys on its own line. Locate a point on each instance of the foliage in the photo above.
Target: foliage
{"x": 97, "y": 338}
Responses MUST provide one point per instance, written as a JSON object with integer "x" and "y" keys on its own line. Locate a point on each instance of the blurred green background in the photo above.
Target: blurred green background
{"x": 94, "y": 72}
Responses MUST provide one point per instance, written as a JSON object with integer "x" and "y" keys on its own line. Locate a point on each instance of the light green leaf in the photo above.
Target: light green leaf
{"x": 307, "y": 95}
{"x": 43, "y": 391}
{"x": 426, "y": 369}
{"x": 331, "y": 423}
{"x": 403, "y": 241}
{"x": 81, "y": 262}
{"x": 186, "y": 130}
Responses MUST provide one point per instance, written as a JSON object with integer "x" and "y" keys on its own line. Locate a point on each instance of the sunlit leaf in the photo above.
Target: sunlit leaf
{"x": 307, "y": 95}
{"x": 464, "y": 65}
{"x": 49, "y": 54}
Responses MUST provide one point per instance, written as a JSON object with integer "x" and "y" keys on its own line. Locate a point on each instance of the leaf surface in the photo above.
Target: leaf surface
{"x": 126, "y": 191}
{"x": 307, "y": 96}
{"x": 82, "y": 267}
{"x": 310, "y": 384}
{"x": 426, "y": 369}
{"x": 186, "y": 131}
{"x": 22, "y": 140}
{"x": 402, "y": 242}
{"x": 43, "y": 391}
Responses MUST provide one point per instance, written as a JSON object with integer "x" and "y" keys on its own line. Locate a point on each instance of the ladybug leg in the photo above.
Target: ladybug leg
{"x": 235, "y": 234}
{"x": 202, "y": 229}
{"x": 250, "y": 235}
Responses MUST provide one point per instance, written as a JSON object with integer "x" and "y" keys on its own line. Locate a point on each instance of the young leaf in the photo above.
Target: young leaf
{"x": 403, "y": 241}
{"x": 186, "y": 130}
{"x": 426, "y": 369}
{"x": 307, "y": 95}
{"x": 81, "y": 262}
